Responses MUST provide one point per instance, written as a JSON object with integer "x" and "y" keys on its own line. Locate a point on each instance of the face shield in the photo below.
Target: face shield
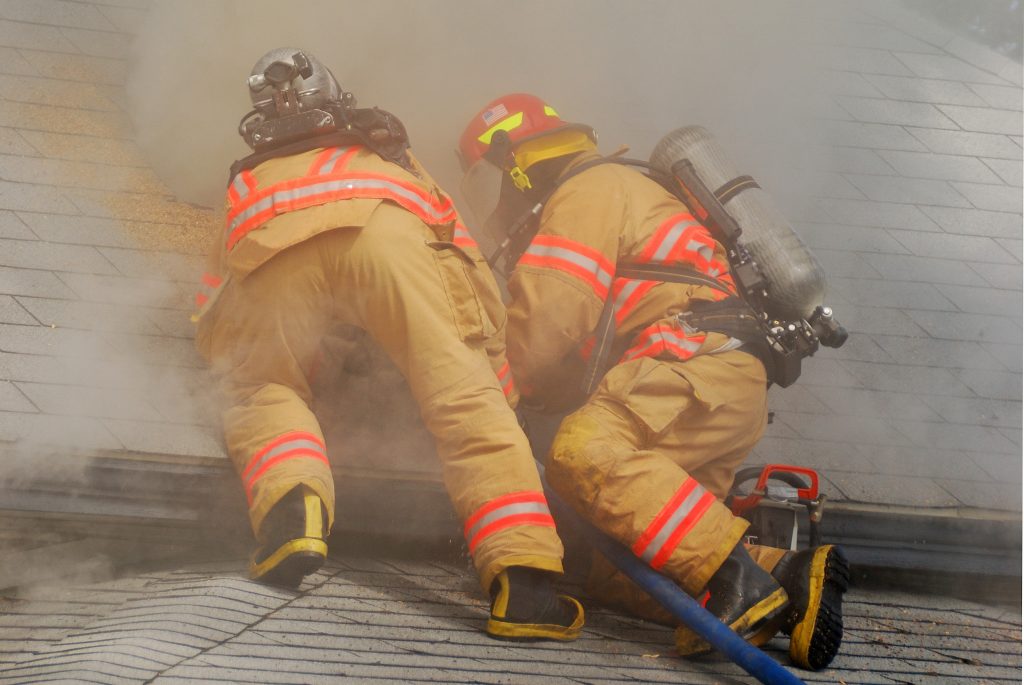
{"x": 481, "y": 188}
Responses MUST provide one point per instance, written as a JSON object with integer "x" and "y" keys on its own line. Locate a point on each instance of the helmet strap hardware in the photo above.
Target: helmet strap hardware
{"x": 519, "y": 178}
{"x": 499, "y": 150}
{"x": 286, "y": 102}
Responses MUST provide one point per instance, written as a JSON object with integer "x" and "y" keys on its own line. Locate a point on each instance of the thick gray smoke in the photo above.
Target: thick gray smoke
{"x": 633, "y": 70}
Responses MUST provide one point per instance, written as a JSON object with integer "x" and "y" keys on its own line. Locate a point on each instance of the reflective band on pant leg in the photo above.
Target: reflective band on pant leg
{"x": 682, "y": 513}
{"x": 294, "y": 445}
{"x": 517, "y": 509}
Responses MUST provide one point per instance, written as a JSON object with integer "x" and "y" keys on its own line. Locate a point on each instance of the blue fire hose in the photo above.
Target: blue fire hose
{"x": 683, "y": 607}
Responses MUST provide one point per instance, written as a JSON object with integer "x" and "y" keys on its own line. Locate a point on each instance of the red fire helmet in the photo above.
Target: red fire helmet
{"x": 522, "y": 116}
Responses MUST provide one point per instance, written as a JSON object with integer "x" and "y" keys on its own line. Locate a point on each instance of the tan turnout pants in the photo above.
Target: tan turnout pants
{"x": 436, "y": 313}
{"x": 649, "y": 459}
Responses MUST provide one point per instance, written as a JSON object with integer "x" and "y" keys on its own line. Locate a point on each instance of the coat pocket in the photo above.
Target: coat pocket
{"x": 473, "y": 295}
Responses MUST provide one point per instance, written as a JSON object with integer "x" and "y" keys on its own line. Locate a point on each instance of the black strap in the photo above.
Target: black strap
{"x": 731, "y": 189}
{"x": 604, "y": 338}
{"x": 375, "y": 128}
{"x": 605, "y": 331}
{"x": 667, "y": 274}
{"x": 517, "y": 235}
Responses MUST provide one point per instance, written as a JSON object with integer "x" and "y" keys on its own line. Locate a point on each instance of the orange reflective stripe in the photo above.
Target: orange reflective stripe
{"x": 654, "y": 340}
{"x": 208, "y": 283}
{"x": 676, "y": 519}
{"x": 505, "y": 379}
{"x": 681, "y": 239}
{"x": 310, "y": 191}
{"x": 211, "y": 280}
{"x": 576, "y": 259}
{"x": 333, "y": 159}
{"x": 462, "y": 237}
{"x": 626, "y": 295}
{"x": 527, "y": 508}
{"x": 241, "y": 186}
{"x": 294, "y": 445}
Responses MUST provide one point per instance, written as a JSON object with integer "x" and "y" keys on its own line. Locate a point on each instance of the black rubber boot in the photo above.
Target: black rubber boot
{"x": 525, "y": 607}
{"x": 743, "y": 596}
{"x": 815, "y": 580}
{"x": 292, "y": 538}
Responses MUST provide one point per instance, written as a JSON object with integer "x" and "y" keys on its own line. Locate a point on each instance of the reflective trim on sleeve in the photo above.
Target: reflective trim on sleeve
{"x": 463, "y": 238}
{"x": 683, "y": 240}
{"x": 659, "y": 338}
{"x": 208, "y": 284}
{"x": 678, "y": 517}
{"x": 292, "y": 445}
{"x": 576, "y": 259}
{"x": 517, "y": 509}
{"x": 627, "y": 294}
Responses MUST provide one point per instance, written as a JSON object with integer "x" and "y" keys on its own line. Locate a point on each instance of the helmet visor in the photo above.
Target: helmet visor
{"x": 481, "y": 188}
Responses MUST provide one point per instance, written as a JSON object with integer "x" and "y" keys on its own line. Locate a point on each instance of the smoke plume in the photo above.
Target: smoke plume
{"x": 633, "y": 70}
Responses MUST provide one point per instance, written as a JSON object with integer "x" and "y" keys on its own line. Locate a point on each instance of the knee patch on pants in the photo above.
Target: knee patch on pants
{"x": 570, "y": 471}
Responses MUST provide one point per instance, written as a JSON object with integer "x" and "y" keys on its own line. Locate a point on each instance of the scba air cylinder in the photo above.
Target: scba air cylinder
{"x": 796, "y": 283}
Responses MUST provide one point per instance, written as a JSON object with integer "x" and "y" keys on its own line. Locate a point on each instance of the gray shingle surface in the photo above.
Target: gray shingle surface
{"x": 976, "y": 221}
{"x": 367, "y": 619}
{"x": 965, "y": 143}
{"x": 872, "y": 136}
{"x": 926, "y": 90}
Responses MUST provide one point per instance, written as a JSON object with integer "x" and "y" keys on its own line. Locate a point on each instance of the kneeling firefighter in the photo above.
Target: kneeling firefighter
{"x": 613, "y": 270}
{"x": 332, "y": 220}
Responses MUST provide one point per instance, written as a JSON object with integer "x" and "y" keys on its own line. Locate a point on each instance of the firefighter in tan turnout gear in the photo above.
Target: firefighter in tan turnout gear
{"x": 651, "y": 452}
{"x": 332, "y": 220}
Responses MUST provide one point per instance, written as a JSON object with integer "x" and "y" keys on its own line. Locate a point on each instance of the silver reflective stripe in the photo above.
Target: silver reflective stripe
{"x": 625, "y": 293}
{"x": 669, "y": 527}
{"x": 507, "y": 510}
{"x": 685, "y": 343}
{"x": 586, "y": 263}
{"x": 238, "y": 183}
{"x": 328, "y": 166}
{"x": 317, "y": 188}
{"x": 688, "y": 345}
{"x": 700, "y": 248}
{"x": 670, "y": 239}
{"x": 281, "y": 449}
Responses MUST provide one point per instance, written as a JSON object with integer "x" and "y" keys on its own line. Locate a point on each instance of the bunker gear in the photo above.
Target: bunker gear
{"x": 340, "y": 235}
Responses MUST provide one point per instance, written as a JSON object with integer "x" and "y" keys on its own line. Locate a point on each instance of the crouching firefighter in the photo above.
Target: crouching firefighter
{"x": 624, "y": 307}
{"x": 332, "y": 220}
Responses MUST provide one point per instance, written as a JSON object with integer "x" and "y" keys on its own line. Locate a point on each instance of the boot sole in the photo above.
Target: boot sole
{"x": 290, "y": 563}
{"x": 756, "y": 626}
{"x": 817, "y": 635}
{"x": 512, "y": 631}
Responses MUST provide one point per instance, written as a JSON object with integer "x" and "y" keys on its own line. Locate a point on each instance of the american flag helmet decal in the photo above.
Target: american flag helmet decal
{"x": 494, "y": 114}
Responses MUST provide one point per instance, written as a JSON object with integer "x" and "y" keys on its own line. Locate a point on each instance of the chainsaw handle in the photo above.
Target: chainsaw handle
{"x": 790, "y": 475}
{"x": 804, "y": 492}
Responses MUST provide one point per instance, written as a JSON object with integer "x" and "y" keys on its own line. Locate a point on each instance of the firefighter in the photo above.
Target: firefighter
{"x": 330, "y": 221}
{"x": 648, "y": 452}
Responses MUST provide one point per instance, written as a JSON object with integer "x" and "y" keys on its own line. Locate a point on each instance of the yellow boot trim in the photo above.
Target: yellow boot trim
{"x": 257, "y": 571}
{"x": 534, "y": 631}
{"x": 314, "y": 516}
{"x": 688, "y": 643}
{"x": 803, "y": 632}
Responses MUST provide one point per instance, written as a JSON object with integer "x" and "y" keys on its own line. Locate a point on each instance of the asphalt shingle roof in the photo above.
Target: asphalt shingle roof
{"x": 368, "y": 619}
